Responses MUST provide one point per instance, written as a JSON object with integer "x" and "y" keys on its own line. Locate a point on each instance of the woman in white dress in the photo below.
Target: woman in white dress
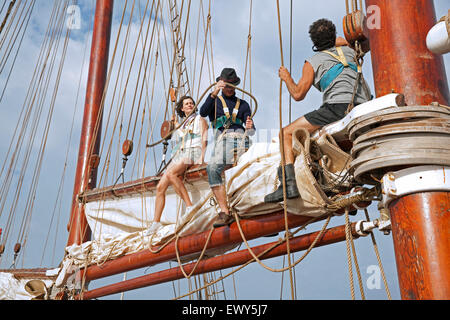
{"x": 190, "y": 146}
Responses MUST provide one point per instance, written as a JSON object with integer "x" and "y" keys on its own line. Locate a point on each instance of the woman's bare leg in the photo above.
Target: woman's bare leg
{"x": 174, "y": 176}
{"x": 171, "y": 177}
{"x": 160, "y": 200}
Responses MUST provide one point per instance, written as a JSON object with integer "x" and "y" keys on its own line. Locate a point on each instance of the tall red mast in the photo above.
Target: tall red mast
{"x": 86, "y": 174}
{"x": 420, "y": 221}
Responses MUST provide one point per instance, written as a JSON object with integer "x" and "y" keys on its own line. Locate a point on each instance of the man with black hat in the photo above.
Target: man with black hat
{"x": 230, "y": 118}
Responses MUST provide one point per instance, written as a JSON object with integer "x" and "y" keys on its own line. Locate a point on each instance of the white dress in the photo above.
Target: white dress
{"x": 188, "y": 141}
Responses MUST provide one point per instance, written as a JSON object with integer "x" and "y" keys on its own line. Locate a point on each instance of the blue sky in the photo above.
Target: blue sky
{"x": 323, "y": 274}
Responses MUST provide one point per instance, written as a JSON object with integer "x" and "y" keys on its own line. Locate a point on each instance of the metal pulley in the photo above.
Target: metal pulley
{"x": 397, "y": 138}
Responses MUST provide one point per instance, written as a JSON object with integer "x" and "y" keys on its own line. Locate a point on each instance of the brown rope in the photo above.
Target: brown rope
{"x": 349, "y": 257}
{"x": 279, "y": 242}
{"x": 377, "y": 253}
{"x": 11, "y": 5}
{"x": 283, "y": 160}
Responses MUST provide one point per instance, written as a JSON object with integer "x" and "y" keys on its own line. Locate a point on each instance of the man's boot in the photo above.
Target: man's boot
{"x": 291, "y": 186}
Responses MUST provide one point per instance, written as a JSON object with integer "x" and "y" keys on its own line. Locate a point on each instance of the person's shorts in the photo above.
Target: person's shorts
{"x": 327, "y": 113}
{"x": 227, "y": 149}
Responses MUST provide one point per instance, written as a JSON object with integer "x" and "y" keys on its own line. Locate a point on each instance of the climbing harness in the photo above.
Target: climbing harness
{"x": 226, "y": 120}
{"x": 336, "y": 70}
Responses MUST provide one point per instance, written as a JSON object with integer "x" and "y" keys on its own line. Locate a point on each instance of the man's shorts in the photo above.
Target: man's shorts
{"x": 326, "y": 114}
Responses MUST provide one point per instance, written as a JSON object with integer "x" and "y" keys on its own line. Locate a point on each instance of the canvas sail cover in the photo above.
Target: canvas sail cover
{"x": 119, "y": 225}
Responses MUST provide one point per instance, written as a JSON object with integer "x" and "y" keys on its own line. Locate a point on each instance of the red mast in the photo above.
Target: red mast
{"x": 86, "y": 174}
{"x": 402, "y": 63}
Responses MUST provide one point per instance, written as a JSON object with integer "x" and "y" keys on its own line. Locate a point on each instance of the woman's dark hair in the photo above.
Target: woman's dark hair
{"x": 180, "y": 106}
{"x": 323, "y": 34}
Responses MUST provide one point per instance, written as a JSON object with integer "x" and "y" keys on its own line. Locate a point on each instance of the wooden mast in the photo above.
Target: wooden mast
{"x": 402, "y": 63}
{"x": 86, "y": 174}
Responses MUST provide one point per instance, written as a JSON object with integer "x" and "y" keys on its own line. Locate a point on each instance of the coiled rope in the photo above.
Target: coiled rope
{"x": 196, "y": 108}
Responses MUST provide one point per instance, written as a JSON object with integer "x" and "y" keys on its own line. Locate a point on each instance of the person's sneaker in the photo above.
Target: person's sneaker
{"x": 223, "y": 220}
{"x": 153, "y": 228}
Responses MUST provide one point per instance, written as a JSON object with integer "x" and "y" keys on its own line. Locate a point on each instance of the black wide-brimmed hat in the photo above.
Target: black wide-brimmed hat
{"x": 229, "y": 75}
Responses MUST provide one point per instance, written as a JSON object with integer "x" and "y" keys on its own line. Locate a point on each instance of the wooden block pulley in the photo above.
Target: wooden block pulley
{"x": 127, "y": 148}
{"x": 166, "y": 128}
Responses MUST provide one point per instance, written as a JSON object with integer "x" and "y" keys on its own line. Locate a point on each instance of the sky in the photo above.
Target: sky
{"x": 322, "y": 275}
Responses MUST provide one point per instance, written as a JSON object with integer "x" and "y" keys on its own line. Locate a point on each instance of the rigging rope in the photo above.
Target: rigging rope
{"x": 349, "y": 258}
{"x": 248, "y": 59}
{"x": 40, "y": 87}
{"x": 377, "y": 253}
{"x": 11, "y": 5}
{"x": 27, "y": 18}
{"x": 62, "y": 181}
{"x": 283, "y": 160}
{"x": 351, "y": 247}
{"x": 279, "y": 242}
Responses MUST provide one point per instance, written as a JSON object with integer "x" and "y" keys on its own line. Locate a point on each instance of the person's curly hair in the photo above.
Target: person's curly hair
{"x": 180, "y": 106}
{"x": 323, "y": 34}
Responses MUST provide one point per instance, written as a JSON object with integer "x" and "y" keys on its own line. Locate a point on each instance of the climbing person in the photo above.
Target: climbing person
{"x": 232, "y": 124}
{"x": 190, "y": 146}
{"x": 333, "y": 70}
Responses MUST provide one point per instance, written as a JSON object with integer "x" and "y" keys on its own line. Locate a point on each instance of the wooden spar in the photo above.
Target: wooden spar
{"x": 136, "y": 187}
{"x": 402, "y": 63}
{"x": 233, "y": 259}
{"x": 252, "y": 228}
{"x": 86, "y": 173}
{"x": 39, "y": 273}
